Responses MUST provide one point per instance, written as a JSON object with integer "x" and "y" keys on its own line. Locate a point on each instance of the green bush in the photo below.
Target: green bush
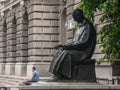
{"x": 110, "y": 33}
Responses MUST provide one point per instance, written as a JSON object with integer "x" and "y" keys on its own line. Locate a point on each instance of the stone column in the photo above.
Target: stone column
{"x": 69, "y": 10}
{"x": 43, "y": 34}
{"x": 22, "y": 42}
{"x": 63, "y": 23}
{"x": 11, "y": 44}
{"x": 3, "y": 32}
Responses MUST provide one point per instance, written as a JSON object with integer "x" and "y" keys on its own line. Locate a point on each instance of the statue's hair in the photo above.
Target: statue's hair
{"x": 77, "y": 12}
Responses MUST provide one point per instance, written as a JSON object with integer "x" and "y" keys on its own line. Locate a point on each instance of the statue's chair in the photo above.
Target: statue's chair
{"x": 85, "y": 71}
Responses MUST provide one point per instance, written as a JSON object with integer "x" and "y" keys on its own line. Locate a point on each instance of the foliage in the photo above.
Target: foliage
{"x": 110, "y": 32}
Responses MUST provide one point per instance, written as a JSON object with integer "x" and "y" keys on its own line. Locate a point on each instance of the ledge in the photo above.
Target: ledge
{"x": 68, "y": 86}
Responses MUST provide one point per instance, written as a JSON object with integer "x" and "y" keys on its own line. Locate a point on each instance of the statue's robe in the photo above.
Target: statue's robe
{"x": 81, "y": 48}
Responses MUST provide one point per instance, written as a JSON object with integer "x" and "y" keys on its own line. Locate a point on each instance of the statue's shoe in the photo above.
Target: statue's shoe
{"x": 53, "y": 78}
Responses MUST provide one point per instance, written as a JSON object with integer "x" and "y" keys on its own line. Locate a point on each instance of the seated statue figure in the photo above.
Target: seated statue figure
{"x": 72, "y": 54}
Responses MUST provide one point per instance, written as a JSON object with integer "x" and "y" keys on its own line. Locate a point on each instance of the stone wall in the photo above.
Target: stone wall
{"x": 2, "y": 45}
{"x": 70, "y": 7}
{"x": 43, "y": 32}
{"x": 15, "y": 39}
{"x": 29, "y": 33}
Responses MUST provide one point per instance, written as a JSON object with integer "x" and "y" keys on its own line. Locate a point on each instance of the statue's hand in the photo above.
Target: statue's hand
{"x": 58, "y": 46}
{"x": 67, "y": 46}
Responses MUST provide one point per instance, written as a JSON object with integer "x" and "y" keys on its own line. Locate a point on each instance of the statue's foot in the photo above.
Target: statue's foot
{"x": 54, "y": 78}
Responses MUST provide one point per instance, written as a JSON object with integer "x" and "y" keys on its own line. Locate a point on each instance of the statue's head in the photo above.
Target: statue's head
{"x": 78, "y": 15}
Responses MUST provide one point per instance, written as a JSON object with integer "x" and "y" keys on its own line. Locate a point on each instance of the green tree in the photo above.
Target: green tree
{"x": 110, "y": 33}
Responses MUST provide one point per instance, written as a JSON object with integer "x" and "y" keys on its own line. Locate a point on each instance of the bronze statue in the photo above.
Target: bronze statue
{"x": 80, "y": 49}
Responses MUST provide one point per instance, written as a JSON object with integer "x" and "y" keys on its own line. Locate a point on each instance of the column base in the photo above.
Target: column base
{"x": 2, "y": 68}
{"x": 20, "y": 69}
{"x": 10, "y": 68}
{"x": 42, "y": 68}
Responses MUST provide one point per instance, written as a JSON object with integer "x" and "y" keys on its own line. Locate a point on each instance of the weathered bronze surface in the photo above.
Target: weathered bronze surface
{"x": 69, "y": 61}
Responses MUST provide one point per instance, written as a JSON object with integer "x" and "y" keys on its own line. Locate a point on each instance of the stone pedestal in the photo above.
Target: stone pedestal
{"x": 10, "y": 68}
{"x": 68, "y": 86}
{"x": 20, "y": 69}
{"x": 42, "y": 68}
{"x": 108, "y": 70}
{"x": 104, "y": 70}
{"x": 85, "y": 72}
{"x": 107, "y": 74}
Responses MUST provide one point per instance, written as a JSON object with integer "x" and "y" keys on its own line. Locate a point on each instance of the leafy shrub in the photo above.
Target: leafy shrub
{"x": 109, "y": 33}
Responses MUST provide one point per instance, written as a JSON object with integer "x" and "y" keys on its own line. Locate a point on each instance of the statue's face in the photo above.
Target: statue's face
{"x": 78, "y": 15}
{"x": 78, "y": 18}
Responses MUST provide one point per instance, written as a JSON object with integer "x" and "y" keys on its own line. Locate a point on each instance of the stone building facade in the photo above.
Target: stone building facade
{"x": 29, "y": 31}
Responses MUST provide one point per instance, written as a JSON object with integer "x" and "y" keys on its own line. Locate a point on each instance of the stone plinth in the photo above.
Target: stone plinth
{"x": 85, "y": 71}
{"x": 2, "y": 68}
{"x": 10, "y": 69}
{"x": 20, "y": 69}
{"x": 67, "y": 86}
{"x": 107, "y": 73}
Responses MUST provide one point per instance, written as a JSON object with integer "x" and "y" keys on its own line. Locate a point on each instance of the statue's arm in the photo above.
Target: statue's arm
{"x": 62, "y": 46}
{"x": 81, "y": 44}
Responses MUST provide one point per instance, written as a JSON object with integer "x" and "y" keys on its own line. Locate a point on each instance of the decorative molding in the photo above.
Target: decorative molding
{"x": 4, "y": 25}
{"x": 9, "y": 6}
{"x": 13, "y": 17}
{"x": 25, "y": 15}
{"x": 2, "y": 1}
{"x": 22, "y": 3}
{"x": 63, "y": 2}
{"x": 24, "y": 9}
{"x": 2, "y": 14}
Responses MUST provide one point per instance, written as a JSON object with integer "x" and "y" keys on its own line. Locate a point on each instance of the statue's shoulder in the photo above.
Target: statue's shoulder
{"x": 88, "y": 21}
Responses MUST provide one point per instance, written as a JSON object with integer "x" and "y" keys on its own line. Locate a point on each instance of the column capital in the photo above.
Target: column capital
{"x": 12, "y": 11}
{"x": 2, "y": 16}
{"x": 24, "y": 4}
